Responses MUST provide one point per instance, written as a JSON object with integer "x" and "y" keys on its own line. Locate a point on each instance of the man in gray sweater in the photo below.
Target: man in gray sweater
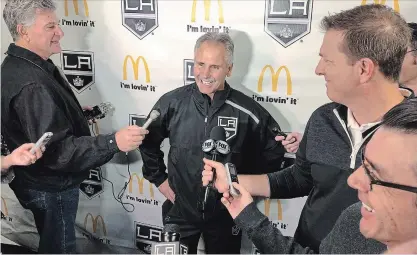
{"x": 386, "y": 185}
{"x": 360, "y": 61}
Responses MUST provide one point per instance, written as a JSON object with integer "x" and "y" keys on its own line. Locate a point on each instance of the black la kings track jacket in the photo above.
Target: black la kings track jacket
{"x": 187, "y": 117}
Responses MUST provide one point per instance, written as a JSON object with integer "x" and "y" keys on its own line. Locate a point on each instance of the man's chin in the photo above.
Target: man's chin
{"x": 205, "y": 89}
{"x": 365, "y": 229}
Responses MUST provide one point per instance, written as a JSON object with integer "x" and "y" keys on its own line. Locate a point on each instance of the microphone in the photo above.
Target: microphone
{"x": 170, "y": 243}
{"x": 277, "y": 131}
{"x": 153, "y": 116}
{"x": 99, "y": 111}
{"x": 215, "y": 146}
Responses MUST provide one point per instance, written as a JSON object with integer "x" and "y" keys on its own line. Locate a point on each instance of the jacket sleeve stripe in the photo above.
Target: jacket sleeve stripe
{"x": 243, "y": 110}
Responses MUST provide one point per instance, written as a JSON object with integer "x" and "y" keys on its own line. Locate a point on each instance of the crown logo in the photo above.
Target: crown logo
{"x": 89, "y": 189}
{"x": 78, "y": 82}
{"x": 286, "y": 32}
{"x": 140, "y": 26}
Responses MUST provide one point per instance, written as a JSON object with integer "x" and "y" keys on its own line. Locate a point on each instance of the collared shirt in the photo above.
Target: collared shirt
{"x": 356, "y": 130}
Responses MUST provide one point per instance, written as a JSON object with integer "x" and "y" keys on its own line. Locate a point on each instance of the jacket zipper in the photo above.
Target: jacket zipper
{"x": 354, "y": 152}
{"x": 205, "y": 126}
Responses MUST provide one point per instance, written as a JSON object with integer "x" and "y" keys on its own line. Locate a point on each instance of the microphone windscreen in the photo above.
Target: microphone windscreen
{"x": 218, "y": 134}
{"x": 154, "y": 114}
{"x": 171, "y": 228}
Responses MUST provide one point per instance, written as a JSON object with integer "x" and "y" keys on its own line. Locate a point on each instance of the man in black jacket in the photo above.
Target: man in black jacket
{"x": 36, "y": 98}
{"x": 362, "y": 80}
{"x": 188, "y": 114}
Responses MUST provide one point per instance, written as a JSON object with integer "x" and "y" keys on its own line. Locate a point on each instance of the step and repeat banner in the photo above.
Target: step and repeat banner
{"x": 131, "y": 52}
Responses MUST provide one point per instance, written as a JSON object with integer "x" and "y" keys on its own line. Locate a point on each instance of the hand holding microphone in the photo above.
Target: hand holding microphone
{"x": 215, "y": 146}
{"x": 227, "y": 185}
{"x": 129, "y": 138}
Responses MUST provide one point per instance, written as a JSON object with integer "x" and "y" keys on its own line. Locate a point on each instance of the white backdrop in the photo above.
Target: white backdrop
{"x": 99, "y": 37}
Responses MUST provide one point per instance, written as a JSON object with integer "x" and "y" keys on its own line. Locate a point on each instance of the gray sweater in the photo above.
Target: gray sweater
{"x": 345, "y": 237}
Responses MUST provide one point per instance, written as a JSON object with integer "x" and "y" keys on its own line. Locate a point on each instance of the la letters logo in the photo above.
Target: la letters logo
{"x": 188, "y": 71}
{"x": 78, "y": 67}
{"x": 140, "y": 16}
{"x": 287, "y": 21}
{"x": 146, "y": 235}
{"x": 92, "y": 186}
{"x": 229, "y": 124}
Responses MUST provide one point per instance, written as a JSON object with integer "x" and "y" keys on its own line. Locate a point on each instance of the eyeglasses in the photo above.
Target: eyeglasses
{"x": 374, "y": 181}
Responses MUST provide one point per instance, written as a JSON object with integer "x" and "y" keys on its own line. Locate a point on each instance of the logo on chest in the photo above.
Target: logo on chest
{"x": 229, "y": 124}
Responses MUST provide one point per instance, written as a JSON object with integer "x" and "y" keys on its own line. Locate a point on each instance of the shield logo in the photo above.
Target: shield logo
{"x": 78, "y": 67}
{"x": 140, "y": 16}
{"x": 287, "y": 21}
{"x": 235, "y": 230}
{"x": 188, "y": 71}
{"x": 229, "y": 124}
{"x": 92, "y": 186}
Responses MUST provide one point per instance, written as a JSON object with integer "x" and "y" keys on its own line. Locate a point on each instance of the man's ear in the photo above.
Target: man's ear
{"x": 229, "y": 72}
{"x": 366, "y": 68}
{"x": 22, "y": 31}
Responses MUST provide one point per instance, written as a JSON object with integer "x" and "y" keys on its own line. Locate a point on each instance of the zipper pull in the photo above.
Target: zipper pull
{"x": 205, "y": 120}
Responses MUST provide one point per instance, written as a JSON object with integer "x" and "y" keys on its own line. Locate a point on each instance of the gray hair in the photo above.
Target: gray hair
{"x": 223, "y": 38}
{"x": 23, "y": 12}
{"x": 373, "y": 31}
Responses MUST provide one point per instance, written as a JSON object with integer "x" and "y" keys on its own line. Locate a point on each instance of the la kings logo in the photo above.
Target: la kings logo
{"x": 92, "y": 186}
{"x": 188, "y": 71}
{"x": 230, "y": 126}
{"x": 287, "y": 21}
{"x": 140, "y": 16}
{"x": 78, "y": 67}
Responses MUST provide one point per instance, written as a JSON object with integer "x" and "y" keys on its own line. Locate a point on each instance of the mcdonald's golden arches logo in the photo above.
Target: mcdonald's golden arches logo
{"x": 207, "y": 6}
{"x": 135, "y": 65}
{"x": 75, "y": 5}
{"x": 395, "y": 3}
{"x": 4, "y": 207}
{"x": 267, "y": 208}
{"x": 274, "y": 77}
{"x": 95, "y": 221}
{"x": 141, "y": 181}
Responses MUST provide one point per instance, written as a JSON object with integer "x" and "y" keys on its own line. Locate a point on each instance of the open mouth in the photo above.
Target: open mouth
{"x": 368, "y": 208}
{"x": 207, "y": 83}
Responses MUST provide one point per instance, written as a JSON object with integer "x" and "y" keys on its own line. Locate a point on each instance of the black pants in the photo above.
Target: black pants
{"x": 220, "y": 235}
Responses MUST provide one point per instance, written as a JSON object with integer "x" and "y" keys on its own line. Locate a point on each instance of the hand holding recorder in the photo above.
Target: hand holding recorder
{"x": 235, "y": 197}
